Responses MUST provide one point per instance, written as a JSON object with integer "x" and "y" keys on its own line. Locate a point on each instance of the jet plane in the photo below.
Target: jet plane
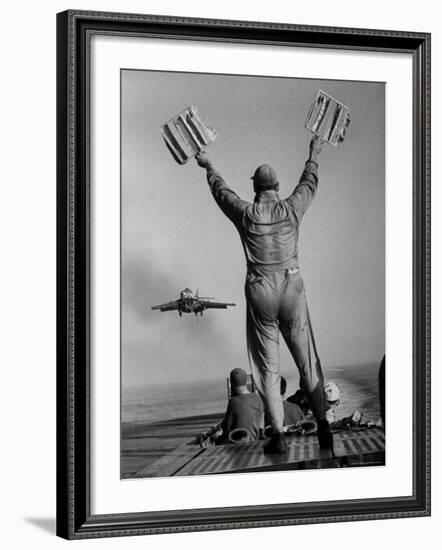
{"x": 189, "y": 302}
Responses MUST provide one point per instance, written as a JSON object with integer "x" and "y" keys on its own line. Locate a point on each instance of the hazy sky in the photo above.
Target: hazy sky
{"x": 174, "y": 235}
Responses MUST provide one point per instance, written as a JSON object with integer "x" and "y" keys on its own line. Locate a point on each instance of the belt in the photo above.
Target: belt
{"x": 288, "y": 266}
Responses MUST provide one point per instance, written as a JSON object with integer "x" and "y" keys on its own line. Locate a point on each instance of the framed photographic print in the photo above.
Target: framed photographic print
{"x": 243, "y": 274}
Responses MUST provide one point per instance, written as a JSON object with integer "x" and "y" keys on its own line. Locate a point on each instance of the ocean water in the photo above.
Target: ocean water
{"x": 145, "y": 404}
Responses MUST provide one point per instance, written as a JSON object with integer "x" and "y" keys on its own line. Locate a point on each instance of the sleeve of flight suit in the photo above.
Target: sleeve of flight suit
{"x": 304, "y": 192}
{"x": 227, "y": 200}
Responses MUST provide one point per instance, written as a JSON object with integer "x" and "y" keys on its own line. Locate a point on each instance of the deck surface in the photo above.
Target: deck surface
{"x": 351, "y": 448}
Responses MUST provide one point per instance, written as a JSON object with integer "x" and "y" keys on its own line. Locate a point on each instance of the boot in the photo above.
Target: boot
{"x": 276, "y": 444}
{"x": 325, "y": 437}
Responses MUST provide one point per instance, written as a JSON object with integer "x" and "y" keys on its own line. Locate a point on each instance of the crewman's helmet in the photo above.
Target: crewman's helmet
{"x": 238, "y": 377}
{"x": 265, "y": 177}
{"x": 332, "y": 392}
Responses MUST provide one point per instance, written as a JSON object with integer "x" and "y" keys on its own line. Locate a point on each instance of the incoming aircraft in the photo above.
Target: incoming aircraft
{"x": 189, "y": 302}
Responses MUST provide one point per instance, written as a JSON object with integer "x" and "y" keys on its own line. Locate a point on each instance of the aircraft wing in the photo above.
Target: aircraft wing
{"x": 216, "y": 305}
{"x": 170, "y": 306}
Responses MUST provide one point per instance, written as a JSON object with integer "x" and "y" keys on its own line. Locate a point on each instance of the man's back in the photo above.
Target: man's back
{"x": 269, "y": 230}
{"x": 268, "y": 227}
{"x": 244, "y": 411}
{"x": 292, "y": 413}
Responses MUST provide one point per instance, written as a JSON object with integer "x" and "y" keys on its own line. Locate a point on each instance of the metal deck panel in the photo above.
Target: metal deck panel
{"x": 351, "y": 448}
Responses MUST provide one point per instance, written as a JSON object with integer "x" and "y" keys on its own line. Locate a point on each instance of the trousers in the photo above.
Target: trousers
{"x": 276, "y": 302}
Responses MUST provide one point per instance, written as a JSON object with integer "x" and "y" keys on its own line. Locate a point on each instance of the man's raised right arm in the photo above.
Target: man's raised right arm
{"x": 305, "y": 190}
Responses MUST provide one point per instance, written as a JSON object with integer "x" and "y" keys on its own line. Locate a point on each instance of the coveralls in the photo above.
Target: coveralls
{"x": 243, "y": 411}
{"x": 274, "y": 287}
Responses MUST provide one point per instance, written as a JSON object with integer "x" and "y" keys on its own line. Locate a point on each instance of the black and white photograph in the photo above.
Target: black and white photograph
{"x": 222, "y": 257}
{"x": 252, "y": 274}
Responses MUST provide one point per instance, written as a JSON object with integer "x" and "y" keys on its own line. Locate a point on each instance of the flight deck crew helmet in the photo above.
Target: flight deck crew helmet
{"x": 332, "y": 392}
{"x": 238, "y": 377}
{"x": 265, "y": 177}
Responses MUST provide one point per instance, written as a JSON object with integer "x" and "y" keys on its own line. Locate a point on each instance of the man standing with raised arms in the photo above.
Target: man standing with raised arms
{"x": 274, "y": 287}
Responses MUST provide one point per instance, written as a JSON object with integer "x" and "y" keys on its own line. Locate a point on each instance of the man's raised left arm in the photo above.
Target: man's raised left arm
{"x": 227, "y": 200}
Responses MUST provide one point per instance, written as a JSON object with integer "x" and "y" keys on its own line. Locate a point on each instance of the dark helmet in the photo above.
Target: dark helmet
{"x": 265, "y": 177}
{"x": 238, "y": 377}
